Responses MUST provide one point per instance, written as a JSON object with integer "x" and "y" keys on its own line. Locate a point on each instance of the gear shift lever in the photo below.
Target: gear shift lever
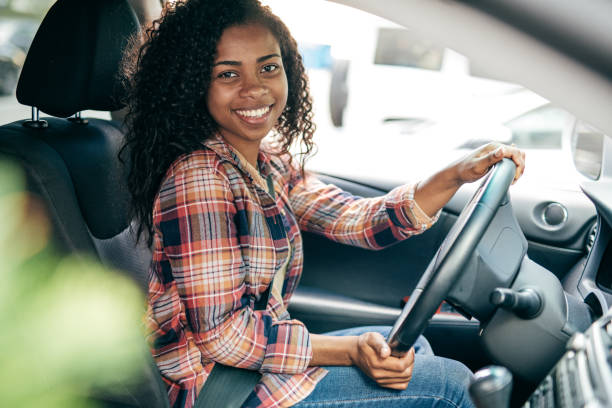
{"x": 491, "y": 387}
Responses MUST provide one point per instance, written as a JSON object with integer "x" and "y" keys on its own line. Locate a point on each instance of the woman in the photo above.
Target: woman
{"x": 223, "y": 211}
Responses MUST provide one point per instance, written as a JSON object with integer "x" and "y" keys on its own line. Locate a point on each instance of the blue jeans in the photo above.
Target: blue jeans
{"x": 436, "y": 382}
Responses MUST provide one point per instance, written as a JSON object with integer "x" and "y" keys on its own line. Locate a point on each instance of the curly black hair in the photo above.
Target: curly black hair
{"x": 168, "y": 78}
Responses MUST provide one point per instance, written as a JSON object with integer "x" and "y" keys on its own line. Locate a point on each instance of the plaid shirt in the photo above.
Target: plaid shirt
{"x": 219, "y": 239}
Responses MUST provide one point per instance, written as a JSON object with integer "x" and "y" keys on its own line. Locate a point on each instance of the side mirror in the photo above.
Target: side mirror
{"x": 587, "y": 148}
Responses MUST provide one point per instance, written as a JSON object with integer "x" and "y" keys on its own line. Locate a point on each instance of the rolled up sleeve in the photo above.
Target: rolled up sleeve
{"x": 373, "y": 223}
{"x": 200, "y": 240}
{"x": 405, "y": 212}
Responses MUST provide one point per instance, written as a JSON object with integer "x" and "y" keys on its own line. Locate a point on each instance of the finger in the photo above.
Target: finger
{"x": 377, "y": 342}
{"x": 518, "y": 157}
{"x": 495, "y": 155}
{"x": 388, "y": 376}
{"x": 482, "y": 164}
{"x": 391, "y": 377}
{"x": 398, "y": 354}
{"x": 391, "y": 381}
{"x": 396, "y": 386}
{"x": 484, "y": 150}
{"x": 513, "y": 153}
{"x": 394, "y": 367}
{"x": 521, "y": 168}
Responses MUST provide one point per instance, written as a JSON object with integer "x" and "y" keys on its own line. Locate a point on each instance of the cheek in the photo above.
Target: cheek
{"x": 215, "y": 102}
{"x": 210, "y": 98}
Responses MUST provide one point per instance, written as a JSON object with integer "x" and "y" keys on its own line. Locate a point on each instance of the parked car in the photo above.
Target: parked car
{"x": 553, "y": 240}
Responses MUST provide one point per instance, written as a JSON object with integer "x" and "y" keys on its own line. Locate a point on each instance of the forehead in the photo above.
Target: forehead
{"x": 239, "y": 42}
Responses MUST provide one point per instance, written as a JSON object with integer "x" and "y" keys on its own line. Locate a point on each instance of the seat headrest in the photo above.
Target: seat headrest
{"x": 74, "y": 61}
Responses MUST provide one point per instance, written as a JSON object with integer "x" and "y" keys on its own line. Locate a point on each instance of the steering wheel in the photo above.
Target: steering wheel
{"x": 446, "y": 266}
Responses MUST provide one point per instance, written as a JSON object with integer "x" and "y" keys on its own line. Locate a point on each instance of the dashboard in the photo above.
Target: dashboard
{"x": 583, "y": 376}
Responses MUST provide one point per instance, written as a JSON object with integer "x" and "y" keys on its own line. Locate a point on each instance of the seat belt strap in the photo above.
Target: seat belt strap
{"x": 227, "y": 387}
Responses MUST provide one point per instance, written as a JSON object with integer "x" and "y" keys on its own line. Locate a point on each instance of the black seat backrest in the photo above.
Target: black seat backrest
{"x": 74, "y": 170}
{"x": 73, "y": 65}
{"x": 72, "y": 165}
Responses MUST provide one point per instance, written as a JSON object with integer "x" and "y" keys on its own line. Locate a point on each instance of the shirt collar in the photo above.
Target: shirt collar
{"x": 226, "y": 152}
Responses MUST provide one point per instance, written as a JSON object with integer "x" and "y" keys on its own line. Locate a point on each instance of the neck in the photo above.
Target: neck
{"x": 249, "y": 150}
{"x": 250, "y": 155}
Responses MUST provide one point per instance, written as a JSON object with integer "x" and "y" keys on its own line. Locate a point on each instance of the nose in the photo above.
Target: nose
{"x": 253, "y": 88}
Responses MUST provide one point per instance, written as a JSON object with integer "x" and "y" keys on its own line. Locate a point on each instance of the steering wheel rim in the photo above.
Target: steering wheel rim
{"x": 452, "y": 256}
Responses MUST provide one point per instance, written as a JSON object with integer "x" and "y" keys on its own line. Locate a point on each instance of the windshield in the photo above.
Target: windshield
{"x": 384, "y": 95}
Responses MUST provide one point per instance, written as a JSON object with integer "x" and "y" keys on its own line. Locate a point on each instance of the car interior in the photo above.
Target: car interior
{"x": 528, "y": 289}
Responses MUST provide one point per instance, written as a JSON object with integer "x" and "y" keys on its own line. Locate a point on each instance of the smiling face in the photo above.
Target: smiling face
{"x": 248, "y": 90}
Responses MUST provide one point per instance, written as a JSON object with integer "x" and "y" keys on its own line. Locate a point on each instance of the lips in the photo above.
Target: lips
{"x": 254, "y": 115}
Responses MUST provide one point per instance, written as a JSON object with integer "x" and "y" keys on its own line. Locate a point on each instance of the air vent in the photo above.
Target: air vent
{"x": 590, "y": 239}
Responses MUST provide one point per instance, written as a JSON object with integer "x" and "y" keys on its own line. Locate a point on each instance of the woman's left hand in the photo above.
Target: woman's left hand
{"x": 477, "y": 164}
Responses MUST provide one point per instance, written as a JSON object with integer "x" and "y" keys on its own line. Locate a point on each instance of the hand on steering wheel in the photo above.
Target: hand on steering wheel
{"x": 373, "y": 356}
{"x": 476, "y": 164}
{"x": 445, "y": 268}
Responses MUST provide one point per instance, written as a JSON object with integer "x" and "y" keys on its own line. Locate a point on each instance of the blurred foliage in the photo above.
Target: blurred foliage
{"x": 25, "y": 7}
{"x": 68, "y": 325}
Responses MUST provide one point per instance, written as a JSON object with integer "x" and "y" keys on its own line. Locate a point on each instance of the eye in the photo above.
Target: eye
{"x": 270, "y": 68}
{"x": 227, "y": 75}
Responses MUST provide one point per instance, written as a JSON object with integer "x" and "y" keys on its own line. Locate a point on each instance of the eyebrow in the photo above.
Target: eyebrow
{"x": 237, "y": 63}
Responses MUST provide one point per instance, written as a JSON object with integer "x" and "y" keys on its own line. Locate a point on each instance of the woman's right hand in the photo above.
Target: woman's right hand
{"x": 373, "y": 356}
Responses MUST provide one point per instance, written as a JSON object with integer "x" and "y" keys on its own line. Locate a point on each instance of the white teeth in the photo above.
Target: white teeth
{"x": 254, "y": 113}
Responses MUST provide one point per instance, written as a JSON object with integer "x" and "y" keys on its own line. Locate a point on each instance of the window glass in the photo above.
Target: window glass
{"x": 540, "y": 128}
{"x": 392, "y": 104}
{"x": 19, "y": 20}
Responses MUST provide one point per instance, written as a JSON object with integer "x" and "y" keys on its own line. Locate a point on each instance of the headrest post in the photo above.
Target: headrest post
{"x": 78, "y": 119}
{"x": 35, "y": 122}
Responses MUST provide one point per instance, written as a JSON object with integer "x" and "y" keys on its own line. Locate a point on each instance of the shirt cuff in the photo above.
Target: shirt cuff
{"x": 416, "y": 214}
{"x": 408, "y": 213}
{"x": 289, "y": 350}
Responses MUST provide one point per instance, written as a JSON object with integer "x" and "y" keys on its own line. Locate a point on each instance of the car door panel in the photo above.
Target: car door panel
{"x": 383, "y": 278}
{"x": 324, "y": 311}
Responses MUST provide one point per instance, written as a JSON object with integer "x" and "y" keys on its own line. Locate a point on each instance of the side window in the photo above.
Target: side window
{"x": 19, "y": 20}
{"x": 541, "y": 128}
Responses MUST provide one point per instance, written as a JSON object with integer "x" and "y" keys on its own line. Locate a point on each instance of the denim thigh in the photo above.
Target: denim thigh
{"x": 436, "y": 382}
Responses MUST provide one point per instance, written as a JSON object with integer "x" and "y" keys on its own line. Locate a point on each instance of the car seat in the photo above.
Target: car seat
{"x": 72, "y": 164}
{"x": 73, "y": 65}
